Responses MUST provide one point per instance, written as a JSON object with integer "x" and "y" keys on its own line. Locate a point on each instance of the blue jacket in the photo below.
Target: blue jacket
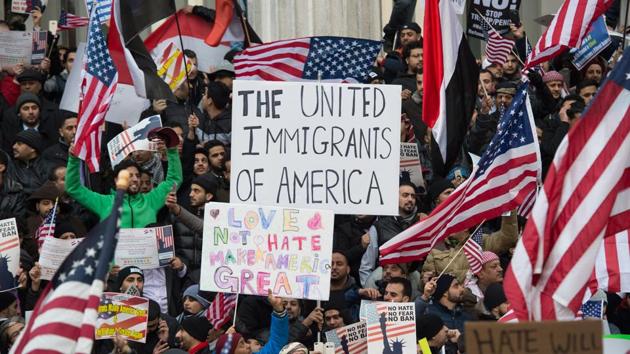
{"x": 279, "y": 334}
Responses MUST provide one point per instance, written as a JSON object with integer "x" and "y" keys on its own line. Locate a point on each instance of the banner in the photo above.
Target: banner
{"x": 40, "y": 43}
{"x": 124, "y": 315}
{"x": 410, "y": 168}
{"x": 333, "y": 146}
{"x": 350, "y": 339}
{"x": 15, "y": 47}
{"x": 133, "y": 139}
{"x": 391, "y": 328}
{"x": 165, "y": 243}
{"x": 575, "y": 337}
{"x": 496, "y": 12}
{"x": 53, "y": 252}
{"x": 9, "y": 254}
{"x": 250, "y": 249}
{"x": 594, "y": 43}
{"x": 137, "y": 247}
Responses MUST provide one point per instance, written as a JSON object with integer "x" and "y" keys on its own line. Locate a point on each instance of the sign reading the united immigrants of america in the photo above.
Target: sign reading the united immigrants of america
{"x": 250, "y": 249}
{"x": 330, "y": 146}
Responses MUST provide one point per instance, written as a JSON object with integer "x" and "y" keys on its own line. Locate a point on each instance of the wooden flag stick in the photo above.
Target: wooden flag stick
{"x": 235, "y": 308}
{"x": 460, "y": 249}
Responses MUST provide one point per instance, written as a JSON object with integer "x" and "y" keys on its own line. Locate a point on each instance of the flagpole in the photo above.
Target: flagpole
{"x": 181, "y": 43}
{"x": 460, "y": 249}
{"x": 625, "y": 28}
{"x": 235, "y": 308}
{"x": 488, "y": 23}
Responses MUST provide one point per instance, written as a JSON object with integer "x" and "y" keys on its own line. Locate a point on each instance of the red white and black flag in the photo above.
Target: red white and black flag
{"x": 450, "y": 82}
{"x": 133, "y": 61}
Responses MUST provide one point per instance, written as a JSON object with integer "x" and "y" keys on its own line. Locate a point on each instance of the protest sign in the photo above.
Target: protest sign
{"x": 133, "y": 139}
{"x": 124, "y": 315}
{"x": 496, "y": 12}
{"x": 410, "y": 168}
{"x": 250, "y": 249}
{"x": 165, "y": 244}
{"x": 576, "y": 337}
{"x": 40, "y": 43}
{"x": 350, "y": 339}
{"x": 53, "y": 252}
{"x": 333, "y": 146}
{"x": 170, "y": 65}
{"x": 26, "y": 6}
{"x": 9, "y": 254}
{"x": 617, "y": 343}
{"x": 72, "y": 90}
{"x": 15, "y": 47}
{"x": 137, "y": 247}
{"x": 594, "y": 43}
{"x": 363, "y": 309}
{"x": 391, "y": 328}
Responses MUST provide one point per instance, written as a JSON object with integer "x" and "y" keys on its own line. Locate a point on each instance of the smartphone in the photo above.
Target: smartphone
{"x": 514, "y": 17}
{"x": 52, "y": 27}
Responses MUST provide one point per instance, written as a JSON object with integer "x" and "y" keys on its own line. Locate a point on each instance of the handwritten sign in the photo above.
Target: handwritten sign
{"x": 15, "y": 47}
{"x": 333, "y": 146}
{"x": 133, "y": 139}
{"x": 594, "y": 43}
{"x": 137, "y": 247}
{"x": 350, "y": 339}
{"x": 250, "y": 249}
{"x": 9, "y": 253}
{"x": 124, "y": 315}
{"x": 494, "y": 11}
{"x": 391, "y": 328}
{"x": 575, "y": 337}
{"x": 54, "y": 251}
{"x": 410, "y": 168}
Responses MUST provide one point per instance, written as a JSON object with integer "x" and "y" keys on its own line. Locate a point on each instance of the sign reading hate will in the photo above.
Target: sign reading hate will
{"x": 334, "y": 146}
{"x": 250, "y": 249}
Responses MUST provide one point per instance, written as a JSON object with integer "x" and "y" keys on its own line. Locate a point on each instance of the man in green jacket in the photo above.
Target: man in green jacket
{"x": 139, "y": 209}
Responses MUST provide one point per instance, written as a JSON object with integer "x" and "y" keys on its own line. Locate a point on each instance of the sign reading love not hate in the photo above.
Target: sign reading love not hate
{"x": 250, "y": 249}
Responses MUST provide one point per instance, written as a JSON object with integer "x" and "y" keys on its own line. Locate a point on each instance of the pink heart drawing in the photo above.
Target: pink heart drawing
{"x": 214, "y": 213}
{"x": 315, "y": 223}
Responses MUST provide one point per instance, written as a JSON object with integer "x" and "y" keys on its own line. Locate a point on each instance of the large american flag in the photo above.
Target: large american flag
{"x": 498, "y": 48}
{"x": 506, "y": 174}
{"x": 65, "y": 314}
{"x": 69, "y": 21}
{"x": 472, "y": 250}
{"x": 97, "y": 89}
{"x": 102, "y": 10}
{"x": 584, "y": 199}
{"x": 612, "y": 265}
{"x": 332, "y": 59}
{"x": 47, "y": 228}
{"x": 220, "y": 310}
{"x": 567, "y": 29}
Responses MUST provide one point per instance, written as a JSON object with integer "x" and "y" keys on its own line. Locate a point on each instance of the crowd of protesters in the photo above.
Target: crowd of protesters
{"x": 39, "y": 168}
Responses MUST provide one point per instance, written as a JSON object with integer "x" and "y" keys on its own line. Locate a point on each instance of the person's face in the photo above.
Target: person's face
{"x": 22, "y": 151}
{"x": 491, "y": 272}
{"x": 242, "y": 347}
{"x": 504, "y": 100}
{"x": 440, "y": 339}
{"x": 414, "y": 62}
{"x": 29, "y": 113}
{"x": 485, "y": 79}
{"x": 511, "y": 65}
{"x": 191, "y": 305}
{"x": 134, "y": 180}
{"x": 70, "y": 62}
{"x": 182, "y": 91}
{"x": 254, "y": 345}
{"x": 60, "y": 178}
{"x": 68, "y": 130}
{"x": 394, "y": 293}
{"x": 185, "y": 340}
{"x": 62, "y": 52}
{"x": 594, "y": 72}
{"x": 392, "y": 271}
{"x": 217, "y": 158}
{"x": 293, "y": 308}
{"x": 145, "y": 183}
{"x": 455, "y": 293}
{"x": 68, "y": 236}
{"x": 43, "y": 206}
{"x": 133, "y": 279}
{"x": 408, "y": 36}
{"x": 587, "y": 93}
{"x": 201, "y": 165}
{"x": 555, "y": 87}
{"x": 31, "y": 86}
{"x": 13, "y": 332}
{"x": 198, "y": 196}
{"x": 333, "y": 319}
{"x": 496, "y": 70}
{"x": 419, "y": 84}
{"x": 406, "y": 200}
{"x": 339, "y": 267}
{"x": 442, "y": 197}
{"x": 142, "y": 156}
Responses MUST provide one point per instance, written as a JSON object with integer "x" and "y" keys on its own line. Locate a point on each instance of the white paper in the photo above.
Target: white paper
{"x": 16, "y": 47}
{"x": 133, "y": 139}
{"x": 137, "y": 247}
{"x": 54, "y": 251}
{"x": 72, "y": 90}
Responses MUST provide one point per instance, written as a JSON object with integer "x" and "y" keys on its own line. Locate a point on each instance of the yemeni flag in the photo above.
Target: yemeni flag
{"x": 135, "y": 65}
{"x": 450, "y": 83}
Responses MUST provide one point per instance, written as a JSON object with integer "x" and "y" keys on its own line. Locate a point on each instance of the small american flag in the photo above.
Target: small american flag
{"x": 498, "y": 48}
{"x": 394, "y": 330}
{"x": 592, "y": 309}
{"x": 473, "y": 251}
{"x": 103, "y": 10}
{"x": 97, "y": 89}
{"x": 509, "y": 317}
{"x": 69, "y": 21}
{"x": 220, "y": 310}
{"x": 332, "y": 59}
{"x": 165, "y": 236}
{"x": 47, "y": 228}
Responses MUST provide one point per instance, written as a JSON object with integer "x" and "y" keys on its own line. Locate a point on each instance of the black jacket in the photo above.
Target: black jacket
{"x": 482, "y": 132}
{"x": 188, "y": 244}
{"x": 57, "y": 154}
{"x": 31, "y": 174}
{"x": 12, "y": 198}
{"x": 408, "y": 81}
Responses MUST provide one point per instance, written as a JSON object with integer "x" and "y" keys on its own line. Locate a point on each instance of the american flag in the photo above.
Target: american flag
{"x": 336, "y": 59}
{"x": 584, "y": 199}
{"x": 498, "y": 48}
{"x": 528, "y": 204}
{"x": 47, "y": 228}
{"x": 592, "y": 309}
{"x": 612, "y": 266}
{"x": 69, "y": 21}
{"x": 220, "y": 310}
{"x": 472, "y": 250}
{"x": 567, "y": 29}
{"x": 65, "y": 314}
{"x": 97, "y": 89}
{"x": 509, "y": 317}
{"x": 507, "y": 172}
{"x": 102, "y": 11}
{"x": 165, "y": 236}
{"x": 394, "y": 329}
